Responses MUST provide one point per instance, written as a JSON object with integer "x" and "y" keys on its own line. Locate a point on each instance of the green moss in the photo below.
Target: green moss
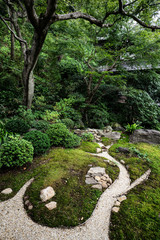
{"x": 106, "y": 141}
{"x": 89, "y": 146}
{"x": 64, "y": 170}
{"x": 138, "y": 217}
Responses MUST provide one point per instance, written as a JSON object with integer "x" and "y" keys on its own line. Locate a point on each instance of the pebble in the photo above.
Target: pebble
{"x": 122, "y": 161}
{"x": 117, "y": 204}
{"x": 115, "y": 209}
{"x": 51, "y": 205}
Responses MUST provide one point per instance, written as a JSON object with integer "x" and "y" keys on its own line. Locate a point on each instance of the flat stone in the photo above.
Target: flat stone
{"x": 122, "y": 198}
{"x": 103, "y": 178}
{"x": 122, "y": 161}
{"x": 90, "y": 181}
{"x": 47, "y": 193}
{"x": 115, "y": 209}
{"x": 7, "y": 191}
{"x": 97, "y": 178}
{"x": 99, "y": 150}
{"x": 117, "y": 204}
{"x": 145, "y": 135}
{"x": 104, "y": 185}
{"x": 26, "y": 197}
{"x": 113, "y": 135}
{"x": 27, "y": 203}
{"x": 97, "y": 186}
{"x": 96, "y": 171}
{"x": 51, "y": 205}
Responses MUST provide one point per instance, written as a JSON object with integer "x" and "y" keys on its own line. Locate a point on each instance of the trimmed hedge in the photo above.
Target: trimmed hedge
{"x": 39, "y": 140}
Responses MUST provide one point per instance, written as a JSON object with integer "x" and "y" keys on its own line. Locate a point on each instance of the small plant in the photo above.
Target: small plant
{"x": 88, "y": 137}
{"x": 17, "y": 125}
{"x": 68, "y": 122}
{"x": 39, "y": 140}
{"x": 135, "y": 151}
{"x": 130, "y": 128}
{"x": 60, "y": 136}
{"x": 40, "y": 125}
{"x": 51, "y": 116}
{"x": 16, "y": 152}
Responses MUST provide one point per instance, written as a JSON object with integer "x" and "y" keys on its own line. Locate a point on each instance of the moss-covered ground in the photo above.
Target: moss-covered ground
{"x": 64, "y": 170}
{"x": 139, "y": 215}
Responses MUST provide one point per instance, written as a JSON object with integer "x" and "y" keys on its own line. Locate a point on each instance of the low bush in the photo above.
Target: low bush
{"x": 40, "y": 125}
{"x": 88, "y": 137}
{"x": 39, "y": 140}
{"x": 16, "y": 152}
{"x": 17, "y": 125}
{"x": 61, "y": 136}
{"x": 68, "y": 122}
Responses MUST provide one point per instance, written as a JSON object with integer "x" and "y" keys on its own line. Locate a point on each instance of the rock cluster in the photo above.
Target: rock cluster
{"x": 118, "y": 203}
{"x": 97, "y": 177}
{"x": 98, "y": 133}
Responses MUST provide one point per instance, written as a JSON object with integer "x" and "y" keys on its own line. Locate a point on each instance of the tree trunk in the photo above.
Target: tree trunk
{"x": 31, "y": 57}
{"x": 12, "y": 43}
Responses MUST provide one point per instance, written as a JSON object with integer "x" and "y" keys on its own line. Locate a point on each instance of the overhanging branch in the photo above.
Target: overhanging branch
{"x": 16, "y": 37}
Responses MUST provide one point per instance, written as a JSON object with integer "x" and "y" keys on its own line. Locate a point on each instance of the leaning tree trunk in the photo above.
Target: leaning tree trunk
{"x": 31, "y": 57}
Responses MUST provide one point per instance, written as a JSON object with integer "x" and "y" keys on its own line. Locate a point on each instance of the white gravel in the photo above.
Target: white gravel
{"x": 16, "y": 225}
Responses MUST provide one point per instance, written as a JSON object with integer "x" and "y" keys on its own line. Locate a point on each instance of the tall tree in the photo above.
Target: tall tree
{"x": 42, "y": 14}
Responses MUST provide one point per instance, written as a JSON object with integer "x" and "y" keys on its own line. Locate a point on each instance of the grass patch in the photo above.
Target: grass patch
{"x": 106, "y": 141}
{"x": 64, "y": 170}
{"x": 139, "y": 215}
{"x": 89, "y": 146}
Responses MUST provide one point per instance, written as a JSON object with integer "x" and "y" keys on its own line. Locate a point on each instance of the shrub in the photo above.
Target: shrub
{"x": 17, "y": 125}
{"x": 97, "y": 118}
{"x": 51, "y": 116}
{"x": 39, "y": 140}
{"x": 16, "y": 152}
{"x": 88, "y": 137}
{"x": 68, "y": 122}
{"x": 61, "y": 136}
{"x": 40, "y": 125}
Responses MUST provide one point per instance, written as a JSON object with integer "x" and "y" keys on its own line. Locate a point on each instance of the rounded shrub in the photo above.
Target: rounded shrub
{"x": 68, "y": 122}
{"x": 17, "y": 125}
{"x": 88, "y": 137}
{"x": 16, "y": 152}
{"x": 40, "y": 125}
{"x": 39, "y": 140}
{"x": 61, "y": 136}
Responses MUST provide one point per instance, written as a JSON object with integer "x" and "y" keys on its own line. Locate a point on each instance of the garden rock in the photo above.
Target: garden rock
{"x": 123, "y": 150}
{"x": 97, "y": 186}
{"x": 99, "y": 150}
{"x": 146, "y": 136}
{"x": 122, "y": 161}
{"x": 113, "y": 135}
{"x": 52, "y": 205}
{"x": 47, "y": 193}
{"x": 7, "y": 191}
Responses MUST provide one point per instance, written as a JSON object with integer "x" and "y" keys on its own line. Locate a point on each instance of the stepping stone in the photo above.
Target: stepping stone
{"x": 7, "y": 191}
{"x": 117, "y": 204}
{"x": 96, "y": 171}
{"x": 97, "y": 186}
{"x": 115, "y": 209}
{"x": 90, "y": 181}
{"x": 51, "y": 205}
{"x": 47, "y": 193}
{"x": 122, "y": 198}
{"x": 99, "y": 150}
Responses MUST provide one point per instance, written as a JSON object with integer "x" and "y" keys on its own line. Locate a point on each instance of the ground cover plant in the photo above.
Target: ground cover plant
{"x": 64, "y": 170}
{"x": 139, "y": 215}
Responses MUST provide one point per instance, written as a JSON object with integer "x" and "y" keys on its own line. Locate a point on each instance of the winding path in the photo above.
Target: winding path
{"x": 16, "y": 225}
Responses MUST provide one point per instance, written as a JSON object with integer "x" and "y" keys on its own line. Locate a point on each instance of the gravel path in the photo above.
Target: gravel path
{"x": 16, "y": 225}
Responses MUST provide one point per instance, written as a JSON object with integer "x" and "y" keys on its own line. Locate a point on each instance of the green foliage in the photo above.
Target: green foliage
{"x": 17, "y": 125}
{"x": 51, "y": 116}
{"x": 88, "y": 137}
{"x": 135, "y": 151}
{"x": 68, "y": 122}
{"x": 60, "y": 136}
{"x": 141, "y": 107}
{"x": 27, "y": 115}
{"x": 130, "y": 128}
{"x": 40, "y": 125}
{"x": 16, "y": 152}
{"x": 39, "y": 140}
{"x": 97, "y": 117}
